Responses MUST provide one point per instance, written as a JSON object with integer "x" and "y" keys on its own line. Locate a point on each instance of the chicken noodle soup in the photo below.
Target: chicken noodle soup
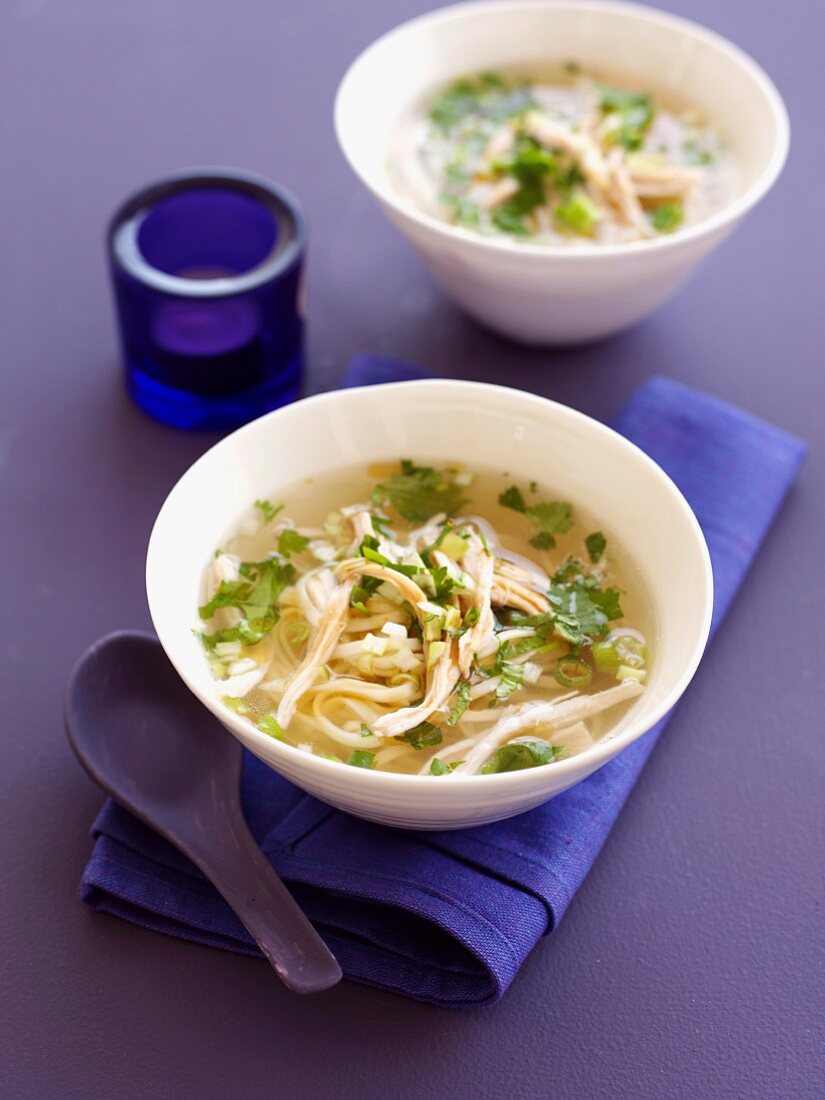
{"x": 570, "y": 160}
{"x": 433, "y": 621}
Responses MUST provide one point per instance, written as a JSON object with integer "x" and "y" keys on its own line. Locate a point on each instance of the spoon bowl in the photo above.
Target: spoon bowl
{"x": 147, "y": 741}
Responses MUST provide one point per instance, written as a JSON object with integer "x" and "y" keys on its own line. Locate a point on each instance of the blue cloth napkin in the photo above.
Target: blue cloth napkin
{"x": 448, "y": 918}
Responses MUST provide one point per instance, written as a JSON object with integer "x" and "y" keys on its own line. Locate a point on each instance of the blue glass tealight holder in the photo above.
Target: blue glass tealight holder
{"x": 207, "y": 270}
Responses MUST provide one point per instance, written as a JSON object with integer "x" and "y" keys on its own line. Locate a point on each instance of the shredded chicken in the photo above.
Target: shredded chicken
{"x": 661, "y": 181}
{"x": 556, "y": 135}
{"x": 624, "y": 196}
{"x": 326, "y": 638}
{"x": 443, "y": 678}
{"x": 500, "y": 192}
{"x": 511, "y": 593}
{"x": 361, "y": 567}
{"x": 562, "y": 711}
{"x": 479, "y": 564}
{"x": 362, "y": 526}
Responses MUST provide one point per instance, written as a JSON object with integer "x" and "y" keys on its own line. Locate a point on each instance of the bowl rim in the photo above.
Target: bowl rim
{"x": 385, "y": 193}
{"x": 589, "y": 760}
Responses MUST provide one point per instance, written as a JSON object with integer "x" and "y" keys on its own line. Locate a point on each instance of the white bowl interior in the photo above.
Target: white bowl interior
{"x": 530, "y": 437}
{"x": 650, "y": 49}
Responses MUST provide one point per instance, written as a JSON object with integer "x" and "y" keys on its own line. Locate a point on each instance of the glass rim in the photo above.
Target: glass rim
{"x": 125, "y": 254}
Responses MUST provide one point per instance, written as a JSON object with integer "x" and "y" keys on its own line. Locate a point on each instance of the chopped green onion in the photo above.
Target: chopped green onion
{"x": 605, "y": 656}
{"x": 573, "y": 672}
{"x": 667, "y": 217}
{"x": 580, "y": 214}
{"x": 269, "y": 724}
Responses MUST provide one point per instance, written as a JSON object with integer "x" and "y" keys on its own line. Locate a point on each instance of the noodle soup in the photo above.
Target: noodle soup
{"x": 432, "y": 621}
{"x": 560, "y": 159}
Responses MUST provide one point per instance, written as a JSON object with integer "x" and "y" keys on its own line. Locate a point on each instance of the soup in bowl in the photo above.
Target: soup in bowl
{"x": 561, "y": 167}
{"x": 423, "y": 639}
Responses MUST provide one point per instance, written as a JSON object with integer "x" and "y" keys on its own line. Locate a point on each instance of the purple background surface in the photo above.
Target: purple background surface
{"x": 691, "y": 962}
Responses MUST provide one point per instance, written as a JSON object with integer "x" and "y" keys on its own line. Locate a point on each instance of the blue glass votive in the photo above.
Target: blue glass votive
{"x": 207, "y": 273}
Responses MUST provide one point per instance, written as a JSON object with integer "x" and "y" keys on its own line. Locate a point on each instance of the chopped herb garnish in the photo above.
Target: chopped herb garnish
{"x": 268, "y": 724}
{"x": 512, "y": 498}
{"x": 667, "y": 217}
{"x": 543, "y": 541}
{"x": 462, "y": 701}
{"x": 573, "y": 672}
{"x": 267, "y": 510}
{"x": 423, "y": 736}
{"x": 419, "y": 492}
{"x": 582, "y": 611}
{"x": 517, "y": 755}
{"x": 255, "y": 594}
{"x": 438, "y": 767}
{"x": 360, "y": 758}
{"x": 238, "y": 705}
{"x": 554, "y": 517}
{"x": 290, "y": 542}
{"x": 486, "y": 95}
{"x": 635, "y": 111}
{"x": 511, "y": 679}
{"x": 595, "y": 544}
{"x": 580, "y": 214}
{"x": 362, "y": 591}
{"x": 695, "y": 154}
{"x": 366, "y": 731}
{"x": 571, "y": 567}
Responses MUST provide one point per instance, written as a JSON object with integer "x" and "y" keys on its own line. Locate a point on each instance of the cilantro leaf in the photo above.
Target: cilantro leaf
{"x": 635, "y": 111}
{"x": 423, "y": 736}
{"x": 438, "y": 767}
{"x": 555, "y": 517}
{"x": 255, "y": 594}
{"x": 360, "y": 758}
{"x": 517, "y": 755}
{"x": 419, "y": 492}
{"x": 595, "y": 544}
{"x": 581, "y": 612}
{"x": 511, "y": 679}
{"x": 461, "y": 703}
{"x": 290, "y": 542}
{"x": 543, "y": 541}
{"x": 512, "y": 498}
{"x": 269, "y": 511}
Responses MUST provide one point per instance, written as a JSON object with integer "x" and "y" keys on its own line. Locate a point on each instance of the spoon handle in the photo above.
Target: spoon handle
{"x": 240, "y": 871}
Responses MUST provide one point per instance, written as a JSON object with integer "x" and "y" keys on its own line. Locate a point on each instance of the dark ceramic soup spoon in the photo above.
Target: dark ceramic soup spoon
{"x": 144, "y": 738}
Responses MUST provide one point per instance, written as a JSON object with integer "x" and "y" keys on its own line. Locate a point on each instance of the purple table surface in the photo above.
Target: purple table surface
{"x": 691, "y": 962}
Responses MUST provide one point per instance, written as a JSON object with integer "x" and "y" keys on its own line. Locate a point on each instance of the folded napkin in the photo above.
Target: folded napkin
{"x": 448, "y": 918}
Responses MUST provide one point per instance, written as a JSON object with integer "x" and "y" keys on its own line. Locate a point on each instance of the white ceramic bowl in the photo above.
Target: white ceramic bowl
{"x": 483, "y": 425}
{"x": 560, "y": 295}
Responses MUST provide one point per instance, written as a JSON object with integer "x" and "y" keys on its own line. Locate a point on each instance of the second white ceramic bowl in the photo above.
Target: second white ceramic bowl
{"x": 560, "y": 295}
{"x": 484, "y": 426}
